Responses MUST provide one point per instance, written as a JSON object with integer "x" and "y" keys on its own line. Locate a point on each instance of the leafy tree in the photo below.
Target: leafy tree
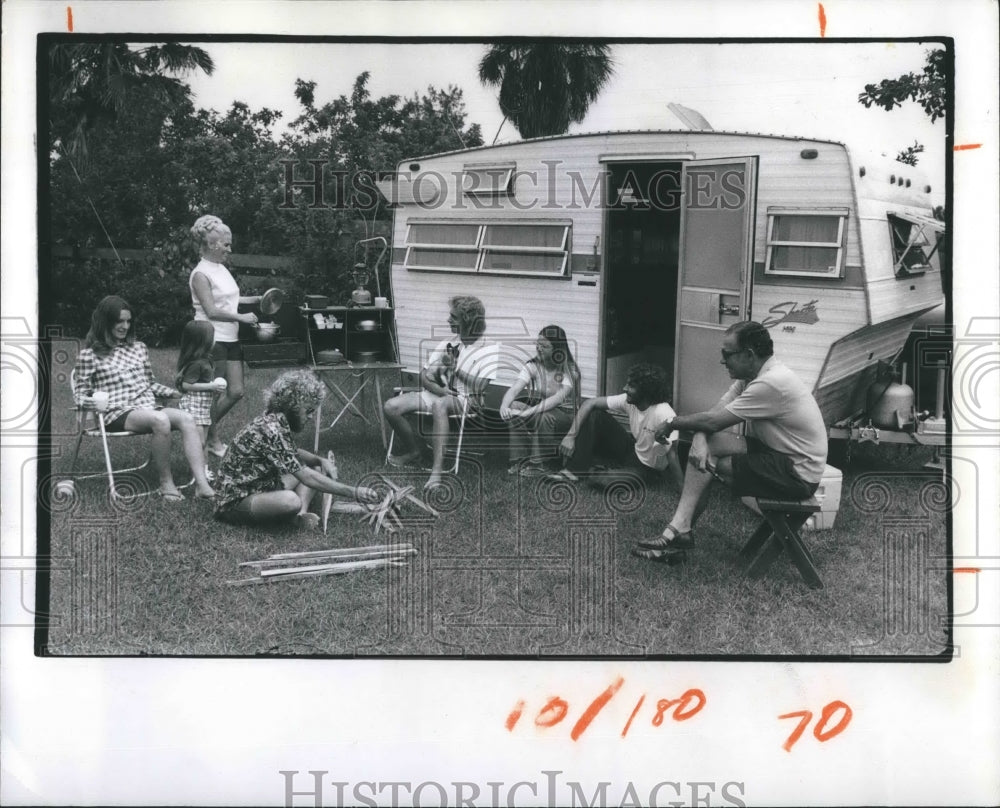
{"x": 155, "y": 163}
{"x": 543, "y": 87}
{"x": 929, "y": 88}
{"x": 362, "y": 133}
{"x": 229, "y": 165}
{"x": 908, "y": 155}
{"x": 90, "y": 82}
{"x": 357, "y": 137}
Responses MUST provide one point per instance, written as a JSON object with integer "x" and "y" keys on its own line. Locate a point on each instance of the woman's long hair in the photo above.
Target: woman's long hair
{"x": 101, "y": 339}
{"x": 197, "y": 340}
{"x": 562, "y": 355}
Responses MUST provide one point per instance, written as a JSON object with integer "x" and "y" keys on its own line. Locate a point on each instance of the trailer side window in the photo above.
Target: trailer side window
{"x": 442, "y": 246}
{"x": 539, "y": 249}
{"x": 807, "y": 243}
{"x": 911, "y": 246}
{"x": 534, "y": 249}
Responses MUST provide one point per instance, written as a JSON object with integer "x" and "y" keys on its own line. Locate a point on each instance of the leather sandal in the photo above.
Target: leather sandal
{"x": 669, "y": 543}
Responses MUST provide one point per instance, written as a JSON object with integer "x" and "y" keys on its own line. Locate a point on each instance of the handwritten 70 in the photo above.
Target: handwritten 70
{"x": 833, "y": 720}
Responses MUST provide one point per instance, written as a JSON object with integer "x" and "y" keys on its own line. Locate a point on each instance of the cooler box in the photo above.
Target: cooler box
{"x": 828, "y": 496}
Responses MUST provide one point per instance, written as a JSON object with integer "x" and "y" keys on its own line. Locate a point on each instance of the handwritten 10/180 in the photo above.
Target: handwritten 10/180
{"x": 682, "y": 708}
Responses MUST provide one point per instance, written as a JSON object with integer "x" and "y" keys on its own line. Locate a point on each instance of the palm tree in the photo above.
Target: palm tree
{"x": 91, "y": 81}
{"x": 545, "y": 86}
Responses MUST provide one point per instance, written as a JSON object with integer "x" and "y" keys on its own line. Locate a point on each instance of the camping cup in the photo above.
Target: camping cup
{"x": 381, "y": 302}
{"x": 100, "y": 400}
{"x": 220, "y": 381}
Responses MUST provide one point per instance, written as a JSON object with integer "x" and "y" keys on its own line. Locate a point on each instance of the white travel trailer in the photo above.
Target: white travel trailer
{"x": 647, "y": 245}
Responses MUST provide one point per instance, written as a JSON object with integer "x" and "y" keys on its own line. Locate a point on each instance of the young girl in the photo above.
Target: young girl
{"x": 196, "y": 374}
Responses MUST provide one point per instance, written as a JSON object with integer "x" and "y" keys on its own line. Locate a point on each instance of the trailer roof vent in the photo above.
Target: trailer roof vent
{"x": 927, "y": 189}
{"x": 862, "y": 171}
{"x": 907, "y": 183}
{"x": 809, "y": 154}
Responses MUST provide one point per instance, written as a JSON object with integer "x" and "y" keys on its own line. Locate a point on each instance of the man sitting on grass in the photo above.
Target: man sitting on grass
{"x": 783, "y": 455}
{"x": 595, "y": 433}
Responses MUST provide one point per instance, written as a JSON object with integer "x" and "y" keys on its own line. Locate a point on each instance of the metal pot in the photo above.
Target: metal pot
{"x": 267, "y": 332}
{"x": 367, "y": 325}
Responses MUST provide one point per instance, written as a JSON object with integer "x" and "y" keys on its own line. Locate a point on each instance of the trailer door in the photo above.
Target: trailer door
{"x": 716, "y": 256}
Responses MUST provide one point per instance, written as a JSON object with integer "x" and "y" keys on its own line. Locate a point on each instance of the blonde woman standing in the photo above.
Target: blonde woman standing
{"x": 215, "y": 296}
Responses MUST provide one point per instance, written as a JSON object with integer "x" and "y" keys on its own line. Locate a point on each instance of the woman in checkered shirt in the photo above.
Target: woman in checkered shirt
{"x": 114, "y": 362}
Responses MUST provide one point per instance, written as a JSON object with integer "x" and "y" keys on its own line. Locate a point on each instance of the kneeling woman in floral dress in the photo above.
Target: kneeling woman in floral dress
{"x": 264, "y": 476}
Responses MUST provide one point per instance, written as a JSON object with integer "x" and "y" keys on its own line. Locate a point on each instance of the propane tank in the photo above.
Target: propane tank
{"x": 890, "y": 403}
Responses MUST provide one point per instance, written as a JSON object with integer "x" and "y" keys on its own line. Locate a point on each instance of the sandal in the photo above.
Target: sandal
{"x": 170, "y": 496}
{"x": 669, "y": 543}
{"x": 563, "y": 475}
{"x": 218, "y": 451}
{"x": 668, "y": 557}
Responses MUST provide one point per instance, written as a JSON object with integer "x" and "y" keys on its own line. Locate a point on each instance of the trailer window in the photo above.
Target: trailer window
{"x": 525, "y": 248}
{"x": 806, "y": 243}
{"x": 442, "y": 246}
{"x": 487, "y": 180}
{"x": 515, "y": 248}
{"x": 911, "y": 246}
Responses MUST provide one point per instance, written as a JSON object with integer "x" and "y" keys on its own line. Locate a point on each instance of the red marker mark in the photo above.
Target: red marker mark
{"x": 806, "y": 717}
{"x": 967, "y": 146}
{"x": 682, "y": 712}
{"x": 595, "y": 707}
{"x": 822, "y": 20}
{"x": 69, "y": 18}
{"x": 820, "y": 731}
{"x": 628, "y": 723}
{"x": 552, "y": 713}
{"x": 968, "y": 569}
{"x": 515, "y": 714}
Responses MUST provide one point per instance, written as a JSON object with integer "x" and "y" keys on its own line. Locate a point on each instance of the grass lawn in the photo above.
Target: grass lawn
{"x": 512, "y": 567}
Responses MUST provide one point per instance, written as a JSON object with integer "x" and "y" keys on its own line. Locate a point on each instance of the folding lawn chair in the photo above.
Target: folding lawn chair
{"x": 460, "y": 417}
{"x": 89, "y": 424}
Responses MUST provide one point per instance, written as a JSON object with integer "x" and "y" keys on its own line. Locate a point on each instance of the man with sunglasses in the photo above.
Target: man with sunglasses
{"x": 782, "y": 456}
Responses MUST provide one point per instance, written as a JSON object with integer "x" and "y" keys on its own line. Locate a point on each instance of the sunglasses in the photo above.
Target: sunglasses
{"x": 727, "y": 355}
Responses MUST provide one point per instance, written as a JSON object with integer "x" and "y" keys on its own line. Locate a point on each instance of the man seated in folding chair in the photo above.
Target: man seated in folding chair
{"x": 113, "y": 361}
{"x": 452, "y": 382}
{"x": 783, "y": 455}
